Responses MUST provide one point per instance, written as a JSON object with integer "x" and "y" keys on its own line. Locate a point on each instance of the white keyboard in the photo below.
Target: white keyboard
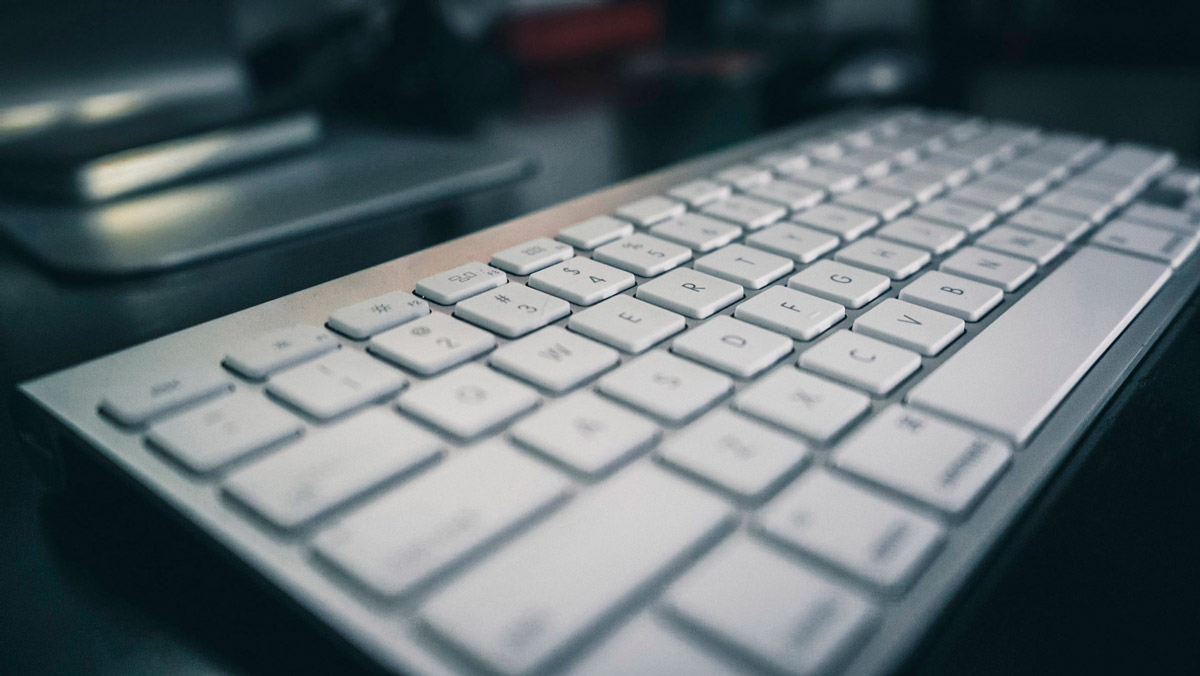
{"x": 764, "y": 412}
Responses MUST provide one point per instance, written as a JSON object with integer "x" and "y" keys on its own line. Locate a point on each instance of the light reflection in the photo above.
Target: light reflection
{"x": 132, "y": 170}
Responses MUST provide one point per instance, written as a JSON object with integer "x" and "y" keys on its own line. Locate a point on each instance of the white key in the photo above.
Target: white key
{"x": 407, "y": 536}
{"x": 1076, "y": 204}
{"x": 697, "y": 232}
{"x": 871, "y": 163}
{"x": 840, "y": 283}
{"x": 582, "y": 281}
{"x": 826, "y": 150}
{"x": 861, "y": 361}
{"x": 700, "y": 192}
{"x": 740, "y": 264}
{"x": 646, "y": 647}
{"x": 690, "y": 293}
{"x": 143, "y": 400}
{"x": 554, "y": 359}
{"x": 887, "y": 258}
{"x": 848, "y": 224}
{"x": 989, "y": 267}
{"x": 920, "y": 185}
{"x": 300, "y": 482}
{"x": 1169, "y": 246}
{"x": 451, "y": 286}
{"x": 643, "y": 255}
{"x": 513, "y": 310}
{"x": 923, "y": 234}
{"x": 586, "y": 433}
{"x": 650, "y": 210}
{"x": 279, "y": 349}
{"x": 771, "y": 607}
{"x": 910, "y": 326}
{"x": 666, "y": 386}
{"x": 744, "y": 176}
{"x": 885, "y": 205}
{"x": 468, "y": 401}
{"x": 1028, "y": 182}
{"x": 627, "y": 324}
{"x": 962, "y": 298}
{"x": 1063, "y": 227}
{"x": 747, "y": 212}
{"x": 943, "y": 465}
{"x": 790, "y": 312}
{"x": 336, "y": 384}
{"x": 825, "y": 178}
{"x": 735, "y": 453}
{"x": 218, "y": 432}
{"x": 969, "y": 218}
{"x": 803, "y": 403}
{"x": 801, "y": 244}
{"x": 794, "y": 196}
{"x": 374, "y": 315}
{"x": 1164, "y": 217}
{"x": 528, "y": 604}
{"x": 732, "y": 346}
{"x": 868, "y": 535}
{"x": 952, "y": 172}
{"x": 992, "y": 196}
{"x": 532, "y": 256}
{"x": 784, "y": 161}
{"x": 432, "y": 344}
{"x": 595, "y": 231}
{"x": 1021, "y": 243}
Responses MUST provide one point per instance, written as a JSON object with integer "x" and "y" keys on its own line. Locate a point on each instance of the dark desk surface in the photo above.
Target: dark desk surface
{"x": 92, "y": 582}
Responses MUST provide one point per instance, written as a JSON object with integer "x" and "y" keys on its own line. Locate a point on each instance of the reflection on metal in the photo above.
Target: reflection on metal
{"x": 29, "y": 117}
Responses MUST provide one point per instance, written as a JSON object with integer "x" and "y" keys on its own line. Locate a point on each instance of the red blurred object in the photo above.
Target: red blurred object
{"x": 570, "y": 34}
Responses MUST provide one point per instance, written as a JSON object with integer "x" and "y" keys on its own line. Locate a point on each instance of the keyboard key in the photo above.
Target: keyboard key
{"x": 969, "y": 218}
{"x": 735, "y": 453}
{"x": 784, "y": 162}
{"x": 732, "y": 346}
{"x": 988, "y": 267}
{"x": 468, "y": 401}
{"x": 407, "y": 536}
{"x": 666, "y": 386}
{"x": 586, "y": 433}
{"x": 325, "y": 469}
{"x": 582, "y": 281}
{"x": 853, "y": 528}
{"x": 840, "y": 283}
{"x": 747, "y": 212}
{"x": 794, "y": 196}
{"x": 992, "y": 196}
{"x": 922, "y": 234}
{"x": 451, "y": 286}
{"x": 627, "y": 324}
{"x": 141, "y": 402}
{"x": 1163, "y": 217}
{"x": 554, "y": 359}
{"x": 838, "y": 220}
{"x": 1063, "y": 227}
{"x": 910, "y": 326}
{"x": 861, "y": 361}
{"x": 532, "y": 256}
{"x": 1083, "y": 305}
{"x": 744, "y": 176}
{"x": 1169, "y": 246}
{"x": 885, "y": 205}
{"x": 938, "y": 463}
{"x": 870, "y": 162}
{"x": 803, "y": 403}
{"x": 690, "y": 293}
{"x": 825, "y": 178}
{"x": 646, "y": 647}
{"x": 801, "y": 244}
{"x": 962, "y": 298}
{"x": 700, "y": 192}
{"x": 773, "y": 608}
{"x": 432, "y": 344}
{"x": 374, "y": 315}
{"x": 336, "y": 384}
{"x": 218, "y": 432}
{"x": 528, "y": 604}
{"x": 697, "y": 232}
{"x": 1021, "y": 243}
{"x": 920, "y": 185}
{"x": 1076, "y": 204}
{"x": 643, "y": 255}
{"x": 513, "y": 310}
{"x": 953, "y": 172}
{"x": 790, "y": 312}
{"x": 887, "y": 258}
{"x": 279, "y": 349}
{"x": 823, "y": 149}
{"x": 650, "y": 210}
{"x": 740, "y": 264}
{"x": 595, "y": 232}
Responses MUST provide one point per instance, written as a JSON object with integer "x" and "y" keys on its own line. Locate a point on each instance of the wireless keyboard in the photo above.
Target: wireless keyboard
{"x": 766, "y": 412}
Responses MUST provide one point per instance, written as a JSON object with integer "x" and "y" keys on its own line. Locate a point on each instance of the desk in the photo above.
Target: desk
{"x": 1102, "y": 579}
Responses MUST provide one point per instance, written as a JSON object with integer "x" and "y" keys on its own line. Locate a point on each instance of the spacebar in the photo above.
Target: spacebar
{"x": 1017, "y": 370}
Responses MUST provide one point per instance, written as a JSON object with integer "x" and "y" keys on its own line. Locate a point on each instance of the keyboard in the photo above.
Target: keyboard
{"x": 764, "y": 412}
